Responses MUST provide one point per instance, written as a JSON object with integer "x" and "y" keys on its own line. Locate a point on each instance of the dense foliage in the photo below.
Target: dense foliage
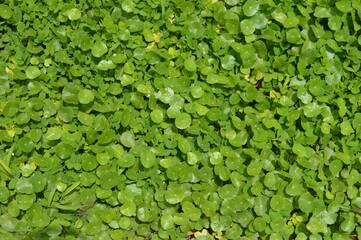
{"x": 159, "y": 119}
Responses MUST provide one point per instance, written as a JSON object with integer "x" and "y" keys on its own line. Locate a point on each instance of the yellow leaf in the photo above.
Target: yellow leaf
{"x": 11, "y": 133}
{"x": 156, "y": 37}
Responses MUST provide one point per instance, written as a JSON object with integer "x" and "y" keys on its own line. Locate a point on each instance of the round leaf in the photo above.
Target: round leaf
{"x": 247, "y": 27}
{"x": 99, "y": 49}
{"x": 250, "y": 8}
{"x": 5, "y": 11}
{"x": 127, "y": 139}
{"x": 32, "y": 72}
{"x": 85, "y": 96}
{"x": 73, "y": 14}
{"x": 148, "y": 158}
{"x": 195, "y": 30}
{"x": 183, "y": 121}
{"x": 157, "y": 116}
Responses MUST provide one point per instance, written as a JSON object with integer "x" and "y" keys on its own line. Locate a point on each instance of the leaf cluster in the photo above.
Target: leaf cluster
{"x": 156, "y": 119}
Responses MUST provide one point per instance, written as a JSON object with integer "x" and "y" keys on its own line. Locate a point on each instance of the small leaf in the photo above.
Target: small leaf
{"x": 227, "y": 191}
{"x": 190, "y": 65}
{"x": 346, "y": 128}
{"x": 85, "y": 96}
{"x": 335, "y": 167}
{"x": 259, "y": 224}
{"x": 32, "y": 72}
{"x": 167, "y": 221}
{"x": 105, "y": 65}
{"x": 228, "y": 62}
{"x": 53, "y": 133}
{"x": 73, "y": 14}
{"x": 175, "y": 193}
{"x": 250, "y": 8}
{"x": 127, "y": 139}
{"x": 148, "y": 158}
{"x": 215, "y": 158}
{"x": 183, "y": 121}
{"x": 184, "y": 145}
{"x": 306, "y": 202}
{"x": 247, "y": 27}
{"x": 217, "y": 79}
{"x": 125, "y": 161}
{"x": 343, "y": 5}
{"x": 128, "y": 6}
{"x": 195, "y": 30}
{"x": 99, "y": 49}
{"x": 157, "y": 116}
{"x": 5, "y": 11}
{"x": 316, "y": 225}
{"x": 294, "y": 188}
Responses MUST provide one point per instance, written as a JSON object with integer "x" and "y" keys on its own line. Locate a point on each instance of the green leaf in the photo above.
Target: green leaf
{"x": 335, "y": 167}
{"x": 183, "y": 121}
{"x": 184, "y": 145}
{"x": 312, "y": 110}
{"x": 4, "y": 194}
{"x": 294, "y": 188}
{"x": 195, "y": 30}
{"x": 250, "y": 7}
{"x": 99, "y": 49}
{"x": 73, "y": 14}
{"x": 25, "y": 201}
{"x": 127, "y": 139}
{"x": 128, "y": 6}
{"x": 291, "y": 22}
{"x": 217, "y": 79}
{"x": 294, "y": 36}
{"x": 175, "y": 193}
{"x": 157, "y": 116}
{"x": 85, "y": 118}
{"x": 167, "y": 222}
{"x": 316, "y": 225}
{"x": 277, "y": 203}
{"x": 247, "y": 27}
{"x": 261, "y": 205}
{"x": 348, "y": 224}
{"x": 215, "y": 158}
{"x": 109, "y": 180}
{"x": 227, "y": 191}
{"x": 106, "y": 137}
{"x": 24, "y": 185}
{"x": 11, "y": 108}
{"x": 254, "y": 168}
{"x": 85, "y": 96}
{"x": 32, "y": 72}
{"x": 53, "y": 133}
{"x": 148, "y": 158}
{"x": 259, "y": 224}
{"x": 232, "y": 2}
{"x": 126, "y": 160}
{"x": 346, "y": 128}
{"x": 70, "y": 94}
{"x": 7, "y": 222}
{"x": 228, "y": 62}
{"x": 306, "y": 202}
{"x": 105, "y": 65}
{"x": 343, "y": 5}
{"x": 88, "y": 162}
{"x": 322, "y": 12}
{"x": 190, "y": 65}
{"x": 127, "y": 80}
{"x": 26, "y": 145}
{"x": 5, "y": 11}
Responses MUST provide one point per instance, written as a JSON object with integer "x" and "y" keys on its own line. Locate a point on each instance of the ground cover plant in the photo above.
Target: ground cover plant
{"x": 173, "y": 119}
